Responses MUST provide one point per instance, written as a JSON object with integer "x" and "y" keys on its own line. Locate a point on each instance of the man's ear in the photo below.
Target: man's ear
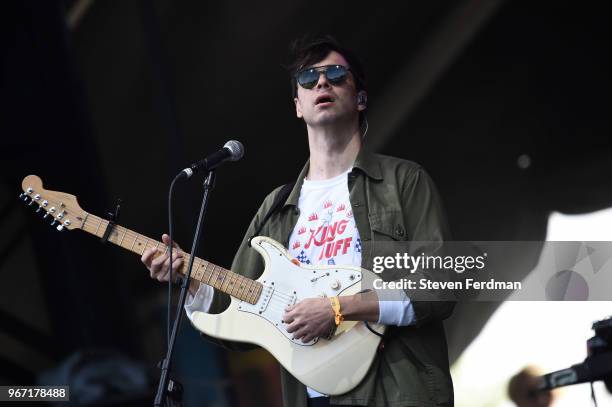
{"x": 298, "y": 108}
{"x": 362, "y": 101}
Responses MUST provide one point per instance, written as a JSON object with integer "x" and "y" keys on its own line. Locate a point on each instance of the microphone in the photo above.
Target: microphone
{"x": 233, "y": 150}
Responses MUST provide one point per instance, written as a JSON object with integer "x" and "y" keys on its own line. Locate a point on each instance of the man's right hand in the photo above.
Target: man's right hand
{"x": 157, "y": 261}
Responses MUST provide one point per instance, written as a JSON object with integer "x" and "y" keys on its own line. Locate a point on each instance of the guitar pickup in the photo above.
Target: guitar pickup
{"x": 266, "y": 295}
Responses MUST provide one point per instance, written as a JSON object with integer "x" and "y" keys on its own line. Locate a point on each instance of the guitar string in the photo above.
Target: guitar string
{"x": 280, "y": 299}
{"x": 280, "y": 309}
{"x": 283, "y": 326}
{"x": 283, "y": 296}
{"x": 282, "y": 302}
{"x": 276, "y": 291}
{"x": 131, "y": 234}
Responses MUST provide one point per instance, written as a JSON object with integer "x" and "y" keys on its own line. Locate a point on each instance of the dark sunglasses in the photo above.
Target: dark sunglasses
{"x": 335, "y": 74}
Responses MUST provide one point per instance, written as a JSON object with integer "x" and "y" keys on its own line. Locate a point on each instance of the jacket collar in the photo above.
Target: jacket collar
{"x": 369, "y": 164}
{"x": 365, "y": 162}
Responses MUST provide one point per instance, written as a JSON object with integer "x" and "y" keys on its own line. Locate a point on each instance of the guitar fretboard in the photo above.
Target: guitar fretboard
{"x": 206, "y": 272}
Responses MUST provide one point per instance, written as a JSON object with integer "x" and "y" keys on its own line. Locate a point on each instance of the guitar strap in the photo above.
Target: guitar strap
{"x": 279, "y": 201}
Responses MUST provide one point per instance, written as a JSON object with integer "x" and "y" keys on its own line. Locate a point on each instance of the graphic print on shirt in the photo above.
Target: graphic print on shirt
{"x": 326, "y": 232}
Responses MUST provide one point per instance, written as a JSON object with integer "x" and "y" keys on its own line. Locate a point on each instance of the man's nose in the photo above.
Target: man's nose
{"x": 322, "y": 83}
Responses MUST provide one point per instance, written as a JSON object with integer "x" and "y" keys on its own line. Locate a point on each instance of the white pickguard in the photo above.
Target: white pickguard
{"x": 287, "y": 284}
{"x": 332, "y": 366}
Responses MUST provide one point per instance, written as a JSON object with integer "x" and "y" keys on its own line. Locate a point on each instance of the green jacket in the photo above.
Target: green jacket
{"x": 392, "y": 200}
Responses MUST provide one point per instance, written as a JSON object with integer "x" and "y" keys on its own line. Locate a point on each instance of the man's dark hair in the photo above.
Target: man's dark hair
{"x": 312, "y": 49}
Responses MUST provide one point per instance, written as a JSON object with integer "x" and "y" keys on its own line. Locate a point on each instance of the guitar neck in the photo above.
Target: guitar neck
{"x": 203, "y": 271}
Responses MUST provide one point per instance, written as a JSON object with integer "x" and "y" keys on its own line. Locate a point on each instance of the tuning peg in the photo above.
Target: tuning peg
{"x": 31, "y": 203}
{"x": 60, "y": 227}
{"x": 38, "y": 210}
{"x": 45, "y": 215}
{"x": 54, "y": 222}
{"x": 22, "y": 195}
{"x": 25, "y": 198}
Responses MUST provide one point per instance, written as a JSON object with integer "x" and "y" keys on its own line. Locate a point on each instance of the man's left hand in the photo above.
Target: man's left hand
{"x": 309, "y": 319}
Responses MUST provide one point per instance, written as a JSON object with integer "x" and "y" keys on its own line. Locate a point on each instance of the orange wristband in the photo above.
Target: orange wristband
{"x": 335, "y": 303}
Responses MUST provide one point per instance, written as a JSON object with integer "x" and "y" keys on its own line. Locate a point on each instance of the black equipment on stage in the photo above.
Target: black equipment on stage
{"x": 596, "y": 366}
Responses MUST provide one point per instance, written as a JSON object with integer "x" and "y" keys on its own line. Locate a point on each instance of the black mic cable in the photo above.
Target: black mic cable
{"x": 170, "y": 276}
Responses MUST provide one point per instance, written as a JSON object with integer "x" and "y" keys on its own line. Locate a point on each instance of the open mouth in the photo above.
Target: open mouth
{"x": 324, "y": 99}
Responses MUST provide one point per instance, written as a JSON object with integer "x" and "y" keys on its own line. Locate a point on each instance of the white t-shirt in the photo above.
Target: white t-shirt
{"x": 325, "y": 232}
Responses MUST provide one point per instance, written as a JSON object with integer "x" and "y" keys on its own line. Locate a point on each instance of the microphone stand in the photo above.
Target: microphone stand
{"x": 167, "y": 388}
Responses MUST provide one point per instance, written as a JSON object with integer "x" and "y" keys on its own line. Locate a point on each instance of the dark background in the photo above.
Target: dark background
{"x": 506, "y": 104}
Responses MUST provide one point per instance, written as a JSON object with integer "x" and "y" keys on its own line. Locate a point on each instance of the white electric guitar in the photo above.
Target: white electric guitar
{"x": 330, "y": 366}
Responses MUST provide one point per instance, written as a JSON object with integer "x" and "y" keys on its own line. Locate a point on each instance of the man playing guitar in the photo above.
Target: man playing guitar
{"x": 344, "y": 199}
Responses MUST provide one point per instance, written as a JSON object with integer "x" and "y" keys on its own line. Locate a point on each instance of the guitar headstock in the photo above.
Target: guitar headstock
{"x": 61, "y": 208}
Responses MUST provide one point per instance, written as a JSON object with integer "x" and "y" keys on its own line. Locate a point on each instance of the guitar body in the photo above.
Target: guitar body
{"x": 332, "y": 366}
